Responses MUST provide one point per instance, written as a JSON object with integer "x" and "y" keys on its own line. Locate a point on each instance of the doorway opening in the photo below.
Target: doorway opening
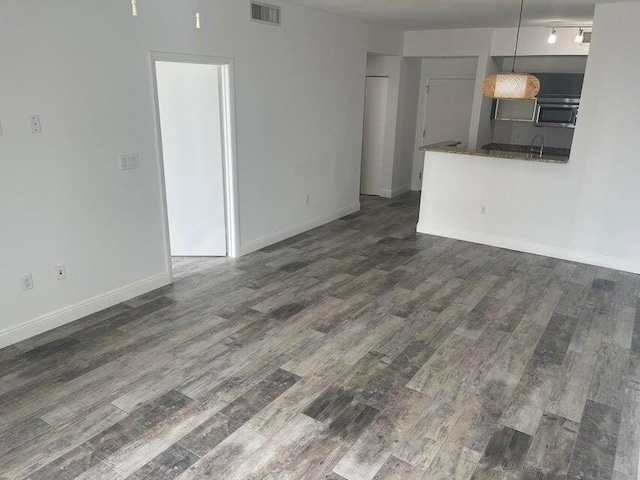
{"x": 373, "y": 135}
{"x": 196, "y": 141}
{"x": 449, "y": 102}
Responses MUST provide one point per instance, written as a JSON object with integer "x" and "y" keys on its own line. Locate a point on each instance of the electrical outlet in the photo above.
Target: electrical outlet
{"x": 307, "y": 199}
{"x": 61, "y": 272}
{"x": 483, "y": 209}
{"x": 27, "y": 282}
{"x": 129, "y": 162}
{"x": 34, "y": 120}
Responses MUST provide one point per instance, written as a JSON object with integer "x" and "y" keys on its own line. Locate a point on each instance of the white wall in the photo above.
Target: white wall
{"x": 402, "y": 96}
{"x": 585, "y": 210}
{"x": 84, "y": 68}
{"x": 547, "y": 64}
{"x": 533, "y": 41}
{"x": 462, "y": 42}
{"x": 494, "y": 42}
{"x": 480, "y": 129}
{"x": 189, "y": 104}
{"x": 406, "y": 125}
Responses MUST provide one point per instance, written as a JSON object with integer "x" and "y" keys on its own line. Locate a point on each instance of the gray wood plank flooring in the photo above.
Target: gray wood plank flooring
{"x": 357, "y": 351}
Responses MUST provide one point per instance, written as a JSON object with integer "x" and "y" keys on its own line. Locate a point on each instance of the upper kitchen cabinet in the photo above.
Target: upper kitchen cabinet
{"x": 568, "y": 85}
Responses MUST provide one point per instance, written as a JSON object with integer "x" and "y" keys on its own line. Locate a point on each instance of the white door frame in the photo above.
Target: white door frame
{"x": 229, "y": 145}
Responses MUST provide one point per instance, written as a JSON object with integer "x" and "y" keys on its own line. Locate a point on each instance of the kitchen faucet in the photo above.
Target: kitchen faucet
{"x": 533, "y": 148}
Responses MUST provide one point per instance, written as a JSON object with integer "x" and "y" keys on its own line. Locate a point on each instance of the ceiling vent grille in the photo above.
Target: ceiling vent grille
{"x": 587, "y": 37}
{"x": 265, "y": 13}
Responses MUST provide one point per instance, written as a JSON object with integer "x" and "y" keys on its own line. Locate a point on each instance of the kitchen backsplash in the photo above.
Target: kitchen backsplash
{"x": 522, "y": 133}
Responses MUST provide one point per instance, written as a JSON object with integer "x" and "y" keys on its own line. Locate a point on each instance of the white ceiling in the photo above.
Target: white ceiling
{"x": 438, "y": 14}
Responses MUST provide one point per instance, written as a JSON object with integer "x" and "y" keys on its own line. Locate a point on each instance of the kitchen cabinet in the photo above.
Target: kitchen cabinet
{"x": 567, "y": 85}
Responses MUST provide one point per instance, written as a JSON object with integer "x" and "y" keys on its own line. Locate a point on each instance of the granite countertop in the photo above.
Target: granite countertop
{"x": 452, "y": 147}
{"x": 507, "y": 147}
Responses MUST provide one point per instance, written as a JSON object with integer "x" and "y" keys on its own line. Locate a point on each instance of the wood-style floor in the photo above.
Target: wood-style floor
{"x": 358, "y": 350}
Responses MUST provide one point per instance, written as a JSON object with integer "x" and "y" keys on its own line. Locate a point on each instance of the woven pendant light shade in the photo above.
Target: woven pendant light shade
{"x": 511, "y": 86}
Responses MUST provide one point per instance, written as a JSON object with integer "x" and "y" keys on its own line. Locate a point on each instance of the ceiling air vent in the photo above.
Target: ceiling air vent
{"x": 265, "y": 13}
{"x": 587, "y": 37}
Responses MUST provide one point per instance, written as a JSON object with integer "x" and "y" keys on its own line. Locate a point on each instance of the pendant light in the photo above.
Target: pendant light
{"x": 512, "y": 85}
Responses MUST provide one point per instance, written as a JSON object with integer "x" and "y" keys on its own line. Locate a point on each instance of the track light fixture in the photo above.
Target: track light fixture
{"x": 197, "y": 14}
{"x": 134, "y": 8}
{"x": 580, "y": 38}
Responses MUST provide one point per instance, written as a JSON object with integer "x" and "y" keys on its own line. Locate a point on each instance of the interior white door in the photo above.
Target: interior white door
{"x": 375, "y": 122}
{"x": 190, "y": 124}
{"x": 448, "y": 110}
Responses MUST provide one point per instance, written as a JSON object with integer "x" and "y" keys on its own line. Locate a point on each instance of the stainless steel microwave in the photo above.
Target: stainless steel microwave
{"x": 557, "y": 112}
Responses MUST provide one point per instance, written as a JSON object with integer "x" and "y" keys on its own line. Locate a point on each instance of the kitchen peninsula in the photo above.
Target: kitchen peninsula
{"x": 496, "y": 197}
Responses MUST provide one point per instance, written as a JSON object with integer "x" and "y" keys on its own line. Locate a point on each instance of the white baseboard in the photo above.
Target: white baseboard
{"x": 41, "y": 324}
{"x": 385, "y": 193}
{"x": 400, "y": 190}
{"x": 627, "y": 265}
{"x": 265, "y": 241}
